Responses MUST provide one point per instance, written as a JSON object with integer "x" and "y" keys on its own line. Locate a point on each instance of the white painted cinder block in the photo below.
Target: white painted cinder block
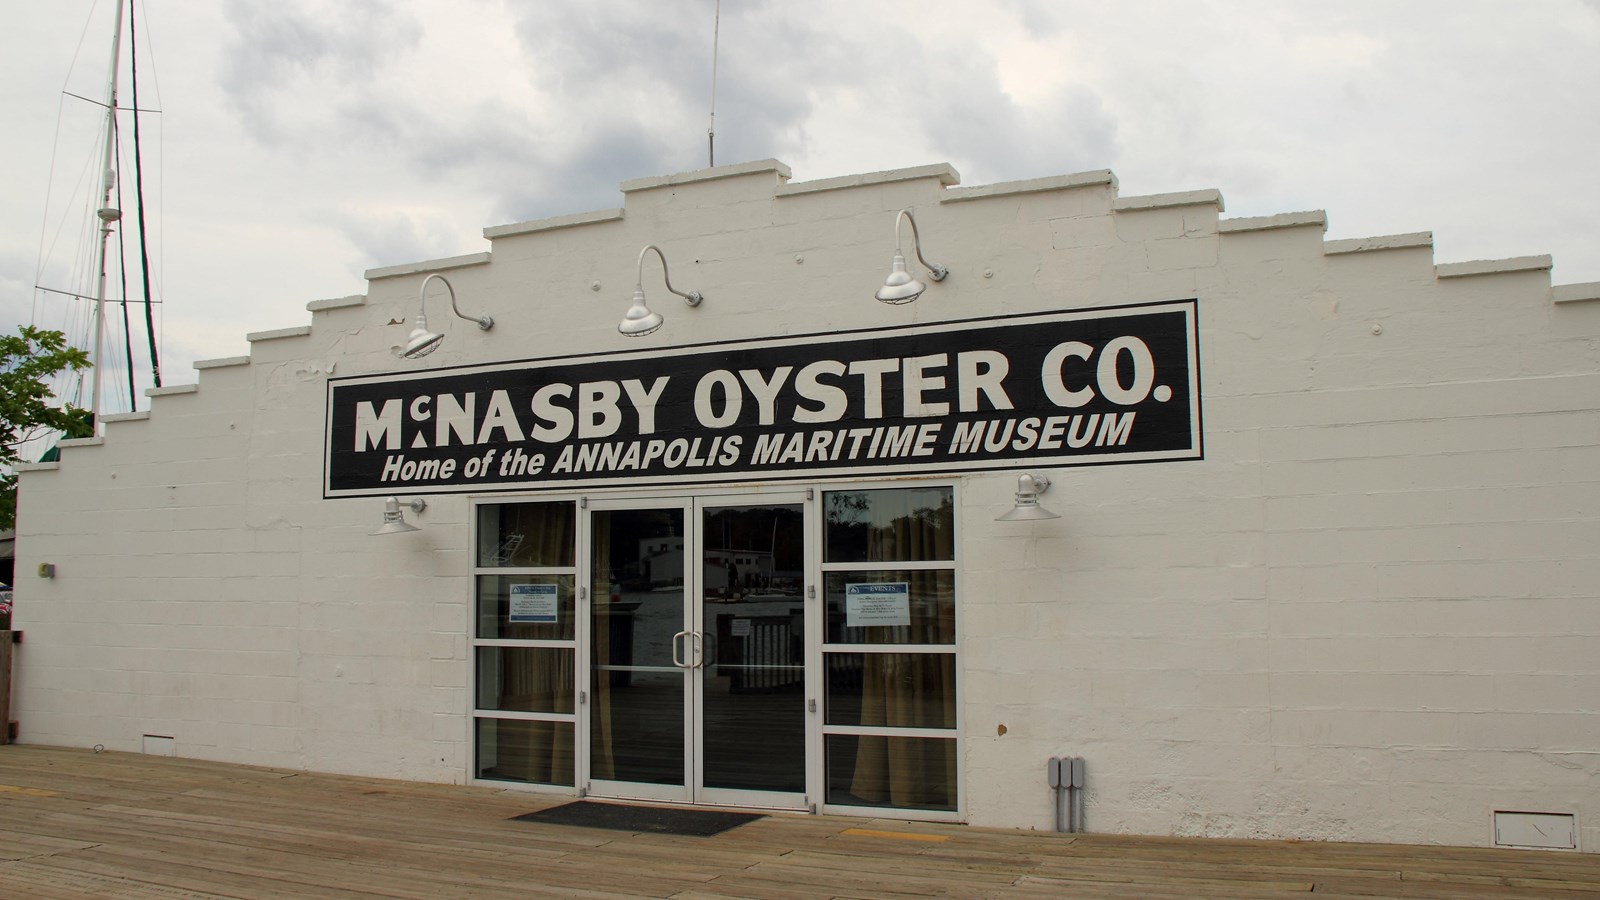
{"x": 1372, "y": 612}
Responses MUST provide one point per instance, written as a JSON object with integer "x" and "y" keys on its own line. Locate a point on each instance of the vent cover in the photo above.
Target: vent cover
{"x": 1541, "y": 831}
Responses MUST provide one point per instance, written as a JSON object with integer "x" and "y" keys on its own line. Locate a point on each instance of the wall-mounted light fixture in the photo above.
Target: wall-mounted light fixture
{"x": 639, "y": 320}
{"x": 1029, "y": 486}
{"x": 900, "y": 287}
{"x": 422, "y": 341}
{"x": 394, "y": 521}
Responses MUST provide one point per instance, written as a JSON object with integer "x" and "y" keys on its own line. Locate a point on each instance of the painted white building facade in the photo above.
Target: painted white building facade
{"x": 1368, "y": 608}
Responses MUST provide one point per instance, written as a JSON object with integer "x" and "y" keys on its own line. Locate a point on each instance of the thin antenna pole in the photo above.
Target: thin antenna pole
{"x": 107, "y": 214}
{"x": 711, "y": 133}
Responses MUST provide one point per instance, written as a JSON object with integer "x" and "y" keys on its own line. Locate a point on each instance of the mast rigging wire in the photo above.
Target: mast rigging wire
{"x": 127, "y": 327}
{"x": 44, "y": 224}
{"x": 138, "y": 195}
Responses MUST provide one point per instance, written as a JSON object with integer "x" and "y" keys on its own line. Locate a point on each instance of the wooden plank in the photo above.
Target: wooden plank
{"x": 27, "y": 792}
{"x": 762, "y": 880}
{"x": 24, "y": 846}
{"x": 895, "y": 835}
{"x": 38, "y": 882}
{"x": 1054, "y": 890}
{"x": 1170, "y": 881}
{"x": 1550, "y": 885}
{"x": 909, "y": 870}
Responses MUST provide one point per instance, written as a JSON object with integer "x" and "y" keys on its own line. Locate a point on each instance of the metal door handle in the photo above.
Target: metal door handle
{"x": 699, "y": 650}
{"x": 676, "y": 660}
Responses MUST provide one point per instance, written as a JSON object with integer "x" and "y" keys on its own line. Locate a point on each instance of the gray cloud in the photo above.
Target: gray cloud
{"x": 289, "y": 56}
{"x": 388, "y": 238}
{"x": 963, "y": 111}
{"x": 16, "y": 288}
{"x": 633, "y": 81}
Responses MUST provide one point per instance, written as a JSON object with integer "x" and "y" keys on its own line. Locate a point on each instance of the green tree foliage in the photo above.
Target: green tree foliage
{"x": 28, "y": 360}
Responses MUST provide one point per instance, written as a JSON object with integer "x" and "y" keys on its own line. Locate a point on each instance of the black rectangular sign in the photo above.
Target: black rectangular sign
{"x": 1118, "y": 384}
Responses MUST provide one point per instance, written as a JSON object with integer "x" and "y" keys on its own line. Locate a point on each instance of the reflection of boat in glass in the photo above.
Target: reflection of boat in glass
{"x": 659, "y": 566}
{"x": 733, "y": 574}
{"x": 754, "y": 555}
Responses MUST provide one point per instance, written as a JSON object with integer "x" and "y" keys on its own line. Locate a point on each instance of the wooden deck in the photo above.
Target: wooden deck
{"x": 79, "y": 824}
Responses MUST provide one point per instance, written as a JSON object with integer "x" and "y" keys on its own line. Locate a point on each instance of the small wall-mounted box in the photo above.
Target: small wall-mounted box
{"x": 1536, "y": 831}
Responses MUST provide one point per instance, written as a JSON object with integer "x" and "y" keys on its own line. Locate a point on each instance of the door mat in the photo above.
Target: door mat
{"x": 651, "y": 819}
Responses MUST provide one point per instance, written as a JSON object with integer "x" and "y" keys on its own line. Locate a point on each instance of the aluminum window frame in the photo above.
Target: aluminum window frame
{"x": 476, "y": 711}
{"x": 952, "y": 565}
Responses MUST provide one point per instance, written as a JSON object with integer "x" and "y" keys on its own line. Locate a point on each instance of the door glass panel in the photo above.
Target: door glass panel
{"x": 528, "y": 535}
{"x": 518, "y": 750}
{"x": 903, "y": 772}
{"x": 525, "y": 679}
{"x": 526, "y": 607}
{"x": 893, "y": 690}
{"x": 901, "y": 524}
{"x": 753, "y": 679}
{"x": 921, "y": 611}
{"x": 637, "y": 717}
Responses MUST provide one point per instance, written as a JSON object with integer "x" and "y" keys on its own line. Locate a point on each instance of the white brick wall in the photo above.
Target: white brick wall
{"x": 1371, "y": 613}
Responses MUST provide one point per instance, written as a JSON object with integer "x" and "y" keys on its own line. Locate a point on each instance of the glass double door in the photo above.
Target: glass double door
{"x": 698, "y": 641}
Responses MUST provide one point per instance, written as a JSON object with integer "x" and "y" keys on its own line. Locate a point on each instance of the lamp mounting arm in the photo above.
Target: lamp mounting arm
{"x": 484, "y": 322}
{"x": 692, "y": 297}
{"x": 935, "y": 271}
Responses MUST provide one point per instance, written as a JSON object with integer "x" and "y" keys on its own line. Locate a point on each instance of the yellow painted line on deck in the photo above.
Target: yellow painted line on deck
{"x": 29, "y": 792}
{"x": 896, "y": 835}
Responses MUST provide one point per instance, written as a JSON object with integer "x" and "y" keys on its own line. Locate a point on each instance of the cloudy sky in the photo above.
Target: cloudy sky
{"x": 300, "y": 142}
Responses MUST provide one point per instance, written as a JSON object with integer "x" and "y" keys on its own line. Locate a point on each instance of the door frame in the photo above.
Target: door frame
{"x": 693, "y": 791}
{"x": 587, "y": 784}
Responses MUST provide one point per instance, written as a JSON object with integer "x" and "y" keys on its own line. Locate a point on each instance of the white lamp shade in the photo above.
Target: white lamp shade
{"x": 900, "y": 287}
{"x": 639, "y": 321}
{"x": 422, "y": 341}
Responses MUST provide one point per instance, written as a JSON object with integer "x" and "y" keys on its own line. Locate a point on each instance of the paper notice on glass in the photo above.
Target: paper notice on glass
{"x": 877, "y": 604}
{"x": 533, "y": 603}
{"x": 741, "y": 628}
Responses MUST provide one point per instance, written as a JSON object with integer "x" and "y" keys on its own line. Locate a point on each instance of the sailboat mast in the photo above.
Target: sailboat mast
{"x": 107, "y": 214}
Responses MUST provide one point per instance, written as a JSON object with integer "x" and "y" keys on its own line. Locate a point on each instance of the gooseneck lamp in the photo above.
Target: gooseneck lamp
{"x": 422, "y": 341}
{"x": 900, "y": 287}
{"x": 1029, "y": 486}
{"x": 639, "y": 321}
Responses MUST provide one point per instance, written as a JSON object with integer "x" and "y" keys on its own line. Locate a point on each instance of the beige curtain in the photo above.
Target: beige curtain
{"x": 912, "y": 531}
{"x": 536, "y": 752}
{"x": 543, "y": 534}
{"x": 602, "y": 760}
{"x": 535, "y": 534}
{"x": 907, "y": 690}
{"x": 541, "y": 680}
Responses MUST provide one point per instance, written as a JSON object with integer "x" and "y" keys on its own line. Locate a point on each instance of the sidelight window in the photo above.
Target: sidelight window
{"x": 525, "y": 642}
{"x": 890, "y": 648}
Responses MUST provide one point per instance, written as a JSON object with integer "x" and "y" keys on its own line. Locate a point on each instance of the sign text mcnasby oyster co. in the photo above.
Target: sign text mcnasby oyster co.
{"x": 1094, "y": 386}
